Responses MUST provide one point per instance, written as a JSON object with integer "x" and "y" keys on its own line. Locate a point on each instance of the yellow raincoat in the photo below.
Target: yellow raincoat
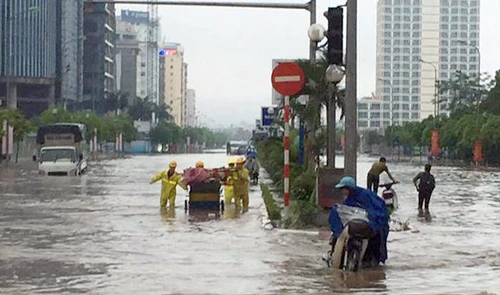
{"x": 240, "y": 180}
{"x": 228, "y": 191}
{"x": 168, "y": 187}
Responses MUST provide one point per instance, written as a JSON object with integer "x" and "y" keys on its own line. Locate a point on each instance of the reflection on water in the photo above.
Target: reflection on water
{"x": 103, "y": 233}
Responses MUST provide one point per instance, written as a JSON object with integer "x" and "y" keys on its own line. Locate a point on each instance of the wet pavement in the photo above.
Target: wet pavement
{"x": 103, "y": 233}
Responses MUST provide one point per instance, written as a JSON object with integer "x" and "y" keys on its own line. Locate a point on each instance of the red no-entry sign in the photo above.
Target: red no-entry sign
{"x": 288, "y": 78}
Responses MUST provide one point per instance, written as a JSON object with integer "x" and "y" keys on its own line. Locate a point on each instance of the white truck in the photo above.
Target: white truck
{"x": 62, "y": 150}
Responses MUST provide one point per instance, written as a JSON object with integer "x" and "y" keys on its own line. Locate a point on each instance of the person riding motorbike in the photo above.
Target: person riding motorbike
{"x": 240, "y": 184}
{"x": 378, "y": 216}
{"x": 253, "y": 167}
{"x": 170, "y": 179}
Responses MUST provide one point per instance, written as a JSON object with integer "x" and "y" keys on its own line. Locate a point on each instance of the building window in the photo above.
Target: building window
{"x": 387, "y": 106}
{"x": 406, "y": 116}
{"x": 415, "y": 107}
{"x": 363, "y": 123}
{"x": 143, "y": 74}
{"x": 143, "y": 64}
{"x": 415, "y": 116}
{"x": 414, "y": 98}
{"x": 375, "y": 124}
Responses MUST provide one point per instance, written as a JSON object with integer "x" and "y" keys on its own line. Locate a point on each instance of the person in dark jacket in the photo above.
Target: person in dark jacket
{"x": 377, "y": 214}
{"x": 424, "y": 183}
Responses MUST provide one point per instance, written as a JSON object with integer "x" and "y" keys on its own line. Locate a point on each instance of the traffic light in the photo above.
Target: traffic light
{"x": 335, "y": 35}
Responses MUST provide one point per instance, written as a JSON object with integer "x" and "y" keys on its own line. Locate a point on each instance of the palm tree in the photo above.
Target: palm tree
{"x": 318, "y": 90}
{"x": 163, "y": 112}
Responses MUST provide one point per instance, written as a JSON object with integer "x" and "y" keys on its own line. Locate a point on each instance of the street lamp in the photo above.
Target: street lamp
{"x": 436, "y": 95}
{"x": 13, "y": 103}
{"x": 67, "y": 69}
{"x": 478, "y": 55}
{"x": 391, "y": 101}
{"x": 316, "y": 32}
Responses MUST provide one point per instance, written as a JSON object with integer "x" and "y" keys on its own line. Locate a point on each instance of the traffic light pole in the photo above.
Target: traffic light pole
{"x": 351, "y": 134}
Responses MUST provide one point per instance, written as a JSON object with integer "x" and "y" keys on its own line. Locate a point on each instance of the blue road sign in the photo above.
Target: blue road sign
{"x": 267, "y": 119}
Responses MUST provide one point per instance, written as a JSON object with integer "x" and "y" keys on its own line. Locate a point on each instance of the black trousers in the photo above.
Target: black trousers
{"x": 372, "y": 182}
{"x": 424, "y": 197}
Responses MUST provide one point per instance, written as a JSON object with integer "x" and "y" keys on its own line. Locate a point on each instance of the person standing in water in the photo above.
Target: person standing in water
{"x": 424, "y": 183}
{"x": 373, "y": 178}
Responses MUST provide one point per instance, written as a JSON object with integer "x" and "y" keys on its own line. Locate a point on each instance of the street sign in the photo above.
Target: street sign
{"x": 266, "y": 118}
{"x": 288, "y": 78}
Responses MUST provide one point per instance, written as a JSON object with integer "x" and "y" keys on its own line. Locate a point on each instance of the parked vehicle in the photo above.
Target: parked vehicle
{"x": 62, "y": 149}
{"x": 390, "y": 197}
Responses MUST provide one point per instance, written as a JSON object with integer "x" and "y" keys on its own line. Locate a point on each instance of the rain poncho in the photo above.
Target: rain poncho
{"x": 377, "y": 213}
{"x": 228, "y": 191}
{"x": 240, "y": 184}
{"x": 168, "y": 187}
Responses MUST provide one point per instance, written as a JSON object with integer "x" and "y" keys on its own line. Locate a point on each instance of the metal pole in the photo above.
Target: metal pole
{"x": 286, "y": 153}
{"x": 350, "y": 155}
{"x": 330, "y": 126}
{"x": 312, "y": 21}
{"x": 10, "y": 104}
{"x": 435, "y": 92}
{"x": 215, "y": 4}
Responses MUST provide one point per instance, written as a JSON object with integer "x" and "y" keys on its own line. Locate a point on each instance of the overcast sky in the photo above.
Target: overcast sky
{"x": 229, "y": 51}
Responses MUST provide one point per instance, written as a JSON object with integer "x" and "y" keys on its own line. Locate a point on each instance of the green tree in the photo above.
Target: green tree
{"x": 466, "y": 92}
{"x": 491, "y": 104}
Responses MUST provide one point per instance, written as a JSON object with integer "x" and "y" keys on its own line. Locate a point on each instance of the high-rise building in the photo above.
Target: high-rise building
{"x": 70, "y": 54}
{"x": 184, "y": 95}
{"x": 419, "y": 43}
{"x": 148, "y": 58}
{"x": 175, "y": 80}
{"x": 127, "y": 60}
{"x": 190, "y": 108}
{"x": 99, "y": 55}
{"x": 28, "y": 55}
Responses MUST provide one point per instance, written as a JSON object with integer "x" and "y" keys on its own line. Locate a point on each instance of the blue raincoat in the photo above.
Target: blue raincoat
{"x": 377, "y": 214}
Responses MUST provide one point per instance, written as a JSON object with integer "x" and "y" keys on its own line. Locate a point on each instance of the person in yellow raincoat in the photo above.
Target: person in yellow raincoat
{"x": 228, "y": 186}
{"x": 169, "y": 181}
{"x": 240, "y": 184}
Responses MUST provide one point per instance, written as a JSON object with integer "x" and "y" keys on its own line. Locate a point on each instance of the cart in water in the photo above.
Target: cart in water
{"x": 205, "y": 196}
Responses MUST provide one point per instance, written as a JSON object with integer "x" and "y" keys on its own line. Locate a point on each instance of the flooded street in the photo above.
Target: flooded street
{"x": 103, "y": 233}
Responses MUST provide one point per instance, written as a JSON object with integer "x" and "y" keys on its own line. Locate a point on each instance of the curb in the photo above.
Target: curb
{"x": 266, "y": 223}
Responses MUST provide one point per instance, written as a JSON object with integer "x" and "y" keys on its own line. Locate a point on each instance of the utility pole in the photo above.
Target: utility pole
{"x": 350, "y": 155}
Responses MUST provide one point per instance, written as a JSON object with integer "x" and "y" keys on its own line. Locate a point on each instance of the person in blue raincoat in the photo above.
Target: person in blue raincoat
{"x": 377, "y": 214}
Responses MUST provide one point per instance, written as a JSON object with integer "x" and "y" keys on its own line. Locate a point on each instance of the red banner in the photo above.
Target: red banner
{"x": 435, "y": 143}
{"x": 342, "y": 141}
{"x": 477, "y": 150}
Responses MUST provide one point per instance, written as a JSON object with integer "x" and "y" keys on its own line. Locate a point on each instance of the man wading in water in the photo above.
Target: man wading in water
{"x": 373, "y": 178}
{"x": 425, "y": 186}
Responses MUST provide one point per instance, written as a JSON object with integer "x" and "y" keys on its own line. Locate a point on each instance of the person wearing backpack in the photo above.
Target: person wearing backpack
{"x": 424, "y": 183}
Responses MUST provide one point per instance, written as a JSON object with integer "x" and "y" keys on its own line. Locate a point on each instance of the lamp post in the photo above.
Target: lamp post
{"x": 478, "y": 68}
{"x": 12, "y": 103}
{"x": 66, "y": 69}
{"x": 333, "y": 75}
{"x": 391, "y": 101}
{"x": 436, "y": 95}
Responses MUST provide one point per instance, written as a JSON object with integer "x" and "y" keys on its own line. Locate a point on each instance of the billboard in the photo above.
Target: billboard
{"x": 266, "y": 118}
{"x": 135, "y": 16}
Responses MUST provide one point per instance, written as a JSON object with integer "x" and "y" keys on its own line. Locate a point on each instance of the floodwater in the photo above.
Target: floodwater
{"x": 103, "y": 233}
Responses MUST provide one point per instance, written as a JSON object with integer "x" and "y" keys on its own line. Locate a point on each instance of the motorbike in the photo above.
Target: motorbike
{"x": 390, "y": 197}
{"x": 254, "y": 177}
{"x": 348, "y": 250}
